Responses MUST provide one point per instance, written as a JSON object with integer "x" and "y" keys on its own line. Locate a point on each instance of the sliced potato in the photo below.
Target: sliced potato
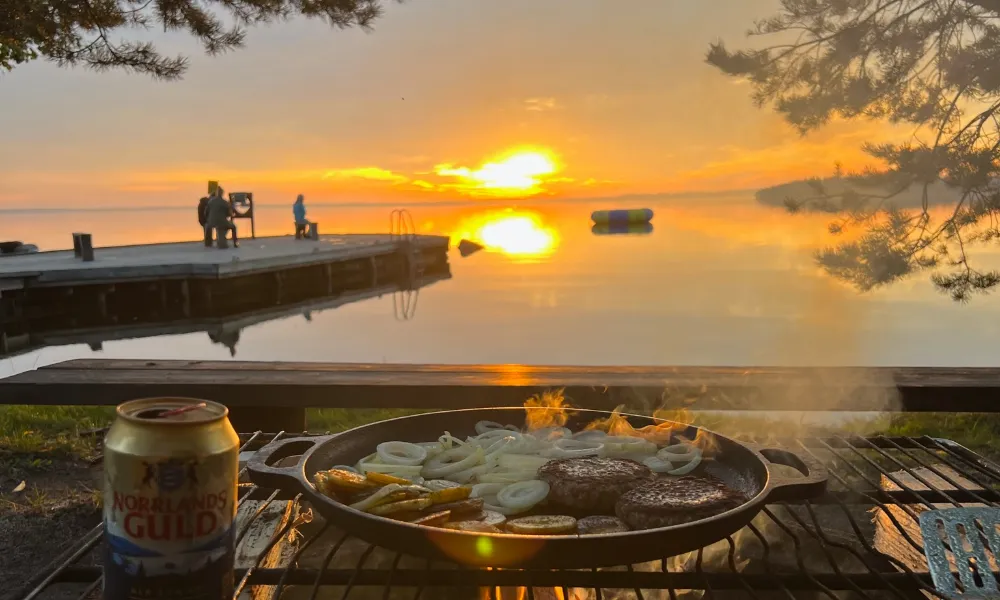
{"x": 462, "y": 507}
{"x": 415, "y": 504}
{"x": 477, "y": 526}
{"x": 386, "y": 479}
{"x": 492, "y": 517}
{"x": 341, "y": 480}
{"x": 598, "y": 524}
{"x": 542, "y": 525}
{"x": 433, "y": 519}
{"x": 453, "y": 494}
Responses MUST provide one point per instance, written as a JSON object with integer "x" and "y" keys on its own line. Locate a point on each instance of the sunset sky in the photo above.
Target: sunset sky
{"x": 445, "y": 100}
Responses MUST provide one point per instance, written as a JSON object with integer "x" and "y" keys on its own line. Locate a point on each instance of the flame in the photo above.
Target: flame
{"x": 556, "y": 411}
{"x": 674, "y": 420}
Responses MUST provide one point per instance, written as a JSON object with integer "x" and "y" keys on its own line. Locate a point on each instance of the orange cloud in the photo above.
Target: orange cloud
{"x": 369, "y": 173}
{"x": 541, "y": 104}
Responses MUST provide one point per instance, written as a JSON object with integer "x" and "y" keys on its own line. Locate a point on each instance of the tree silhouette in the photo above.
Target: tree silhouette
{"x": 79, "y": 32}
{"x": 934, "y": 64}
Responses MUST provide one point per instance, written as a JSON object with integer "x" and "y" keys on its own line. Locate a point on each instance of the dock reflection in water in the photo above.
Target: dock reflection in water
{"x": 226, "y": 330}
{"x": 94, "y": 312}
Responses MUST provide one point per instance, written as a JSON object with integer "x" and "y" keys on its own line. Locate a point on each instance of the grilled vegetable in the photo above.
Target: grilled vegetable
{"x": 433, "y": 519}
{"x": 386, "y": 479}
{"x": 477, "y": 526}
{"x": 341, "y": 480}
{"x": 542, "y": 525}
{"x": 492, "y": 517}
{"x": 463, "y": 507}
{"x": 598, "y": 524}
{"x": 415, "y": 504}
{"x": 454, "y": 494}
{"x": 388, "y": 494}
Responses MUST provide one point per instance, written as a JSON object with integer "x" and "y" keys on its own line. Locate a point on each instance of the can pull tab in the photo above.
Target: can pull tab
{"x": 181, "y": 410}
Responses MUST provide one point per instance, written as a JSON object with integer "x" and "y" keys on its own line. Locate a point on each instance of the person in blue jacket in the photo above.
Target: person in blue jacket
{"x": 299, "y": 212}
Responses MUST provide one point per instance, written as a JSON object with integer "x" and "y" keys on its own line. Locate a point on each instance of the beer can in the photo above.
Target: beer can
{"x": 170, "y": 477}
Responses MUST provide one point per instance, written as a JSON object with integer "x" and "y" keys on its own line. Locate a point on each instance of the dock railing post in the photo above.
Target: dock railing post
{"x": 86, "y": 247}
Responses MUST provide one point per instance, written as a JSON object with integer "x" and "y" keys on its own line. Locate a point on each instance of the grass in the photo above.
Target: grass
{"x": 34, "y": 434}
{"x": 50, "y": 430}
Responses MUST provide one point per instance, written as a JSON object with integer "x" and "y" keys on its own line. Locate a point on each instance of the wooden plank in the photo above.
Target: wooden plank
{"x": 888, "y": 538}
{"x": 257, "y": 384}
{"x": 262, "y": 531}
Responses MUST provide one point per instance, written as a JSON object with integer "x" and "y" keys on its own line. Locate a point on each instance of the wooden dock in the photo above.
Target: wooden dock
{"x": 52, "y": 293}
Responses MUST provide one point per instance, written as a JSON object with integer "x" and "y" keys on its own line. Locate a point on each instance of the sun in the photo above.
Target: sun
{"x": 516, "y": 172}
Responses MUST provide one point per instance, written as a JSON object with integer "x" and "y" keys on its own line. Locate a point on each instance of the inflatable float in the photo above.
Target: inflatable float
{"x": 622, "y": 229}
{"x": 631, "y": 215}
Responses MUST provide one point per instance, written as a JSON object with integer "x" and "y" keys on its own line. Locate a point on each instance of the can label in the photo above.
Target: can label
{"x": 168, "y": 525}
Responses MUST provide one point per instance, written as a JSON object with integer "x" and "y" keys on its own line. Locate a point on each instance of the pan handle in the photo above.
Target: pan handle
{"x": 261, "y": 469}
{"x": 786, "y": 488}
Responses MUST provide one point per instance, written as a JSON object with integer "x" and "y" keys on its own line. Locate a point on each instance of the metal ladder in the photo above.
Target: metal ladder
{"x": 403, "y": 233}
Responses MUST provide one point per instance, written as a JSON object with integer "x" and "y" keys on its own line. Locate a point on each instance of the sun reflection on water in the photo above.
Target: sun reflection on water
{"x": 515, "y": 233}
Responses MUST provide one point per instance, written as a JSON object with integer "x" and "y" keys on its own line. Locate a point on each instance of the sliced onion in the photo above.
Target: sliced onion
{"x": 516, "y": 462}
{"x": 486, "y": 489}
{"x": 551, "y": 433}
{"x": 370, "y": 501}
{"x": 658, "y": 465}
{"x": 432, "y": 448}
{"x": 678, "y": 452}
{"x": 401, "y": 453}
{"x": 484, "y": 426}
{"x": 590, "y": 435}
{"x": 448, "y": 441}
{"x": 441, "y": 465}
{"x": 621, "y": 446}
{"x": 523, "y": 495}
{"x": 406, "y": 471}
{"x": 508, "y": 476}
{"x": 467, "y": 475}
{"x": 570, "y": 448}
{"x": 684, "y": 470}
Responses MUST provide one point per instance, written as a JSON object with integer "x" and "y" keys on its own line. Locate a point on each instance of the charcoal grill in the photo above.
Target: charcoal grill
{"x": 860, "y": 540}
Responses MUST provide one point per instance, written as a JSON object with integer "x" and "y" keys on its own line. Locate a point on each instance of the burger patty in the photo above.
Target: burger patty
{"x": 592, "y": 484}
{"x": 672, "y": 501}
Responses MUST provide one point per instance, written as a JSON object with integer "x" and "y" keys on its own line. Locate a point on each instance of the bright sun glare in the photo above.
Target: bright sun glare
{"x": 514, "y": 233}
{"x": 518, "y": 172}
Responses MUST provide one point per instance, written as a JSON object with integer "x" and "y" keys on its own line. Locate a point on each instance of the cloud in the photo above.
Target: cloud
{"x": 369, "y": 173}
{"x": 541, "y": 104}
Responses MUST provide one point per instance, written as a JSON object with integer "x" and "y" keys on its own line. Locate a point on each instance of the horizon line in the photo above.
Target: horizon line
{"x": 376, "y": 204}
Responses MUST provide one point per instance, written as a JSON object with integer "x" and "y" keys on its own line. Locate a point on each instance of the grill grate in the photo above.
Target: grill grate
{"x": 860, "y": 540}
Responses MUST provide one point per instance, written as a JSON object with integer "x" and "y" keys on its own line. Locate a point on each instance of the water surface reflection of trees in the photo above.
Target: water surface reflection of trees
{"x": 932, "y": 64}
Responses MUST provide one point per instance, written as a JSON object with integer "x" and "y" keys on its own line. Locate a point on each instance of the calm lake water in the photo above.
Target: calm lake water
{"x": 721, "y": 280}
